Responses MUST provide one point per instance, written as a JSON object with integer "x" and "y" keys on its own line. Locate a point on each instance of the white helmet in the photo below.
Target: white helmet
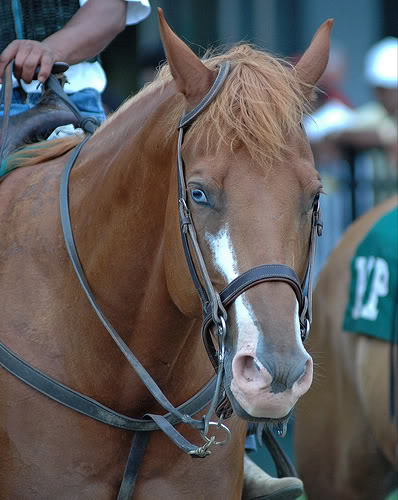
{"x": 381, "y": 63}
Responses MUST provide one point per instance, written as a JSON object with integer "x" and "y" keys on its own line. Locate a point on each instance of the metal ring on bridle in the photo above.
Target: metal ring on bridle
{"x": 221, "y": 327}
{"x": 212, "y": 438}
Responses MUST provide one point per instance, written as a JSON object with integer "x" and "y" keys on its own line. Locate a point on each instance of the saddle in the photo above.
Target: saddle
{"x": 38, "y": 123}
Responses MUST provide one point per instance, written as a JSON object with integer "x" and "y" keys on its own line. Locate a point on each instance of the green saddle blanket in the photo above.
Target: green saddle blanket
{"x": 372, "y": 305}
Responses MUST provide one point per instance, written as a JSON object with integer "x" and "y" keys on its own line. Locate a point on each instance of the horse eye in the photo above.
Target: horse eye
{"x": 198, "y": 196}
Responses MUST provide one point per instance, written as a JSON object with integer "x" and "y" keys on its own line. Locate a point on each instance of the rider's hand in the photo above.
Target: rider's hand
{"x": 28, "y": 54}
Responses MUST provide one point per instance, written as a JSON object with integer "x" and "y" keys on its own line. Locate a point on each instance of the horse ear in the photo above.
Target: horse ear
{"x": 192, "y": 77}
{"x": 315, "y": 59}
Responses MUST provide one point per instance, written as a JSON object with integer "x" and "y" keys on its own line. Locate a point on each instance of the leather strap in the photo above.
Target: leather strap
{"x": 6, "y": 97}
{"x": 74, "y": 257}
{"x": 164, "y": 425}
{"x": 284, "y": 466}
{"x": 188, "y": 118}
{"x": 256, "y": 275}
{"x": 90, "y": 407}
{"x": 134, "y": 460}
{"x": 259, "y": 274}
{"x": 207, "y": 295}
{"x": 57, "y": 391}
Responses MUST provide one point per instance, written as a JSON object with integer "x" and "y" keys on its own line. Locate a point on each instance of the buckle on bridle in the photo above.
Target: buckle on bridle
{"x": 317, "y": 219}
{"x": 305, "y": 330}
{"x": 185, "y": 215}
{"x": 305, "y": 324}
{"x": 221, "y": 334}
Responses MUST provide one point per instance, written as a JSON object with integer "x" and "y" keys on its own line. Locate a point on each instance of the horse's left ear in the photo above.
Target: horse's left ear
{"x": 192, "y": 77}
{"x": 315, "y": 59}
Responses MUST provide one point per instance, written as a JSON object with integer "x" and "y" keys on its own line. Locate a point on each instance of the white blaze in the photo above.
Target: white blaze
{"x": 225, "y": 260}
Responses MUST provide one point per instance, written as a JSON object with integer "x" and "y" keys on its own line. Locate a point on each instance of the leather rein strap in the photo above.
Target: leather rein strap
{"x": 5, "y": 96}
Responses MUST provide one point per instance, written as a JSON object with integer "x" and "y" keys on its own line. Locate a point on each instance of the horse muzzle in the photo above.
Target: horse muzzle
{"x": 265, "y": 395}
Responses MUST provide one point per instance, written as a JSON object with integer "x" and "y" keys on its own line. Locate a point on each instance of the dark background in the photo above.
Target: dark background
{"x": 284, "y": 27}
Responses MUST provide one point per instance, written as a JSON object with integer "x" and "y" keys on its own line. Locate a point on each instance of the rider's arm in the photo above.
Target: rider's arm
{"x": 88, "y": 32}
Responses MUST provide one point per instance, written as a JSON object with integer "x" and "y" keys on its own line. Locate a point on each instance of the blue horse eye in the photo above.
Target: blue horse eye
{"x": 198, "y": 196}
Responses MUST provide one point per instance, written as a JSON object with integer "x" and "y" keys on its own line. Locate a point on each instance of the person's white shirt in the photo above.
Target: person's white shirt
{"x": 91, "y": 74}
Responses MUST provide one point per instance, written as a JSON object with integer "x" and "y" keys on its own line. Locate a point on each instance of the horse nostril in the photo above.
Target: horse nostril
{"x": 292, "y": 375}
{"x": 307, "y": 367}
{"x": 248, "y": 370}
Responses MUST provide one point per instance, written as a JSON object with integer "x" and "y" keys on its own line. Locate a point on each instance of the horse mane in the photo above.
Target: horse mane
{"x": 261, "y": 105}
{"x": 42, "y": 151}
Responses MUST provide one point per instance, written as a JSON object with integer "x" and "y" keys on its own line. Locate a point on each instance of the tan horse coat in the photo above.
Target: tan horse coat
{"x": 346, "y": 442}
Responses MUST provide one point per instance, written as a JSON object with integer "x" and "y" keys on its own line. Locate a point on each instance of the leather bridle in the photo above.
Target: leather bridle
{"x": 214, "y": 306}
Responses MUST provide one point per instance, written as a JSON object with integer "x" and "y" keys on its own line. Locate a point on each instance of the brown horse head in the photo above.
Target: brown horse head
{"x": 252, "y": 184}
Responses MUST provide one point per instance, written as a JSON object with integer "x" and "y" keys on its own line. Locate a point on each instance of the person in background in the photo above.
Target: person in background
{"x": 332, "y": 110}
{"x": 373, "y": 127}
{"x": 44, "y": 32}
{"x": 357, "y": 146}
{"x": 331, "y": 113}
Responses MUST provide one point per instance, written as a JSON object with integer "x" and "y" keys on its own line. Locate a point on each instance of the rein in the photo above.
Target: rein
{"x": 214, "y": 313}
{"x": 5, "y": 96}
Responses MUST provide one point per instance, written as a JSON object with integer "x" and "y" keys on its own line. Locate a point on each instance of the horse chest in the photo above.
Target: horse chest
{"x": 48, "y": 449}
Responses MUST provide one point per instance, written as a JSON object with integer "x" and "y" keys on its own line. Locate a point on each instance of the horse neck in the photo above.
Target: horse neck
{"x": 119, "y": 194}
{"x": 119, "y": 190}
